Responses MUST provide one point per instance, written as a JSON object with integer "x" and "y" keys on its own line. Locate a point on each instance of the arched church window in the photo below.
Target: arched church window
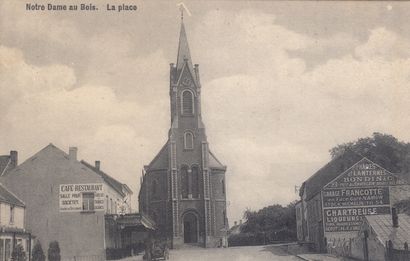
{"x": 188, "y": 140}
{"x": 223, "y": 186}
{"x": 224, "y": 217}
{"x": 184, "y": 182}
{"x": 195, "y": 182}
{"x": 187, "y": 102}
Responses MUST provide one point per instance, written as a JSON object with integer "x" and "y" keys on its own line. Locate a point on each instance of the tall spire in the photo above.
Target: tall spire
{"x": 183, "y": 49}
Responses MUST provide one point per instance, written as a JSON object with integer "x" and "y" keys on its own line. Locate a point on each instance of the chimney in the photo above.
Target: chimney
{"x": 72, "y": 154}
{"x": 97, "y": 164}
{"x": 235, "y": 223}
{"x": 13, "y": 159}
{"x": 395, "y": 217}
{"x": 240, "y": 222}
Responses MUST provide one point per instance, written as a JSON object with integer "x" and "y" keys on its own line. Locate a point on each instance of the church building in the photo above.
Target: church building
{"x": 183, "y": 189}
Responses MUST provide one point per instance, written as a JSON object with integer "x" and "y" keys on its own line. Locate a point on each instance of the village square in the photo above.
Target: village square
{"x": 277, "y": 147}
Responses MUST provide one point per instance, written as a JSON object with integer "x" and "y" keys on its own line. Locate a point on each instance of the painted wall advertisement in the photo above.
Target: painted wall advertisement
{"x": 362, "y": 190}
{"x": 81, "y": 197}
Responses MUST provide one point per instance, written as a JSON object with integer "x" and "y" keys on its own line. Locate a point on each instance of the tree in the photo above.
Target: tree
{"x": 54, "y": 251}
{"x": 384, "y": 149}
{"x": 18, "y": 253}
{"x": 272, "y": 223}
{"x": 38, "y": 253}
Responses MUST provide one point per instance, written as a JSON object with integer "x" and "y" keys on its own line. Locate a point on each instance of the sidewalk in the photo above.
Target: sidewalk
{"x": 321, "y": 257}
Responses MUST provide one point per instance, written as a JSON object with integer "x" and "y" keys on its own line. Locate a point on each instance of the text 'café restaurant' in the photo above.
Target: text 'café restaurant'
{"x": 71, "y": 197}
{"x": 335, "y": 200}
{"x": 85, "y": 210}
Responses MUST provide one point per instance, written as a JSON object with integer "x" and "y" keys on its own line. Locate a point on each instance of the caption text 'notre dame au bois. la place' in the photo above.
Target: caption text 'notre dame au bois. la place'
{"x": 81, "y": 7}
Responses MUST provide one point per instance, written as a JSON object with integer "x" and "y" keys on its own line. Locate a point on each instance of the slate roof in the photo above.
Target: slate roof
{"x": 330, "y": 171}
{"x": 161, "y": 160}
{"x": 4, "y": 162}
{"x": 214, "y": 162}
{"x": 8, "y": 197}
{"x": 382, "y": 226}
{"x": 115, "y": 184}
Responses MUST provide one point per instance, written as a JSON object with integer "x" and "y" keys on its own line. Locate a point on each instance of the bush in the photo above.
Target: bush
{"x": 242, "y": 239}
{"x": 18, "y": 253}
{"x": 54, "y": 251}
{"x": 38, "y": 253}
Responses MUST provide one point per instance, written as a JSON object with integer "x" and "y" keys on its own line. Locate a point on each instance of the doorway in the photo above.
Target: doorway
{"x": 190, "y": 228}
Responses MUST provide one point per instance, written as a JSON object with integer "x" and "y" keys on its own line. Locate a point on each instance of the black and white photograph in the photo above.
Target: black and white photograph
{"x": 215, "y": 130}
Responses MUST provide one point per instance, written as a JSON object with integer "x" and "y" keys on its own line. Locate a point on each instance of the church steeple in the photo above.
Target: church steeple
{"x": 183, "y": 51}
{"x": 185, "y": 93}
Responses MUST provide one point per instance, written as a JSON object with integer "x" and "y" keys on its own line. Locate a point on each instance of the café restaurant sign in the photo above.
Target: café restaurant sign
{"x": 361, "y": 190}
{"x": 72, "y": 195}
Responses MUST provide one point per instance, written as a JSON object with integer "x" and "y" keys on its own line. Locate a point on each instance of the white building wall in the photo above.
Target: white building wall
{"x": 117, "y": 201}
{"x": 5, "y": 214}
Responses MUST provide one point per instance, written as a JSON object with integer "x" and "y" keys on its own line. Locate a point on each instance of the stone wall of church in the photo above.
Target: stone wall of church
{"x": 220, "y": 221}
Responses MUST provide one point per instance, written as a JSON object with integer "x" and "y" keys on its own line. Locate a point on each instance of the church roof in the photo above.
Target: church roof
{"x": 161, "y": 159}
{"x": 214, "y": 162}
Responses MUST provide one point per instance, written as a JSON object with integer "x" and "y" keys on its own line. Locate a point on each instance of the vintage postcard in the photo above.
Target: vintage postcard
{"x": 207, "y": 130}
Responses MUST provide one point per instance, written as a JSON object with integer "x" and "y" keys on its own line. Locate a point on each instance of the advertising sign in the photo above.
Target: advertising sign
{"x": 366, "y": 196}
{"x": 81, "y": 197}
{"x": 349, "y": 219}
{"x": 361, "y": 190}
{"x": 364, "y": 174}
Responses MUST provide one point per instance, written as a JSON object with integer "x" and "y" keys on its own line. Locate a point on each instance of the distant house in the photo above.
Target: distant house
{"x": 235, "y": 229}
{"x": 12, "y": 225}
{"x": 72, "y": 202}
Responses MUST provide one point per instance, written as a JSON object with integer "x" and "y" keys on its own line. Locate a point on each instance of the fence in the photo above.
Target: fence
{"x": 397, "y": 254}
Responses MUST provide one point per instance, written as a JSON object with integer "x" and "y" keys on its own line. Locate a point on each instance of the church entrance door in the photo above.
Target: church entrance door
{"x": 190, "y": 228}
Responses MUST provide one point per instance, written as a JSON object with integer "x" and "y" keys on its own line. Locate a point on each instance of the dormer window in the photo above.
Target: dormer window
{"x": 187, "y": 103}
{"x": 188, "y": 140}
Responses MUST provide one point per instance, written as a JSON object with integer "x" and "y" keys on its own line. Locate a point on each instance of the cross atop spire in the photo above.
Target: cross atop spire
{"x": 181, "y": 8}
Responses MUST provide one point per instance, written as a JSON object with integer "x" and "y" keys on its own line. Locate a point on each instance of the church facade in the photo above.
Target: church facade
{"x": 183, "y": 189}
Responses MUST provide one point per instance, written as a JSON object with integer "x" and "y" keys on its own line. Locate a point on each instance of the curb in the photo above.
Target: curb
{"x": 302, "y": 258}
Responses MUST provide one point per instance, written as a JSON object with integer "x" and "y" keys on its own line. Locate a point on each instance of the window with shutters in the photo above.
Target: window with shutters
{"x": 187, "y": 103}
{"x": 188, "y": 140}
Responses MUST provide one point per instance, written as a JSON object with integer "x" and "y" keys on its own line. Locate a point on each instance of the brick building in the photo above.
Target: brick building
{"x": 72, "y": 202}
{"x": 335, "y": 200}
{"x": 183, "y": 188}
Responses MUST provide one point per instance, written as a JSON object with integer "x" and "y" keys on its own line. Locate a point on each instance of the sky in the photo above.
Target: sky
{"x": 282, "y": 83}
